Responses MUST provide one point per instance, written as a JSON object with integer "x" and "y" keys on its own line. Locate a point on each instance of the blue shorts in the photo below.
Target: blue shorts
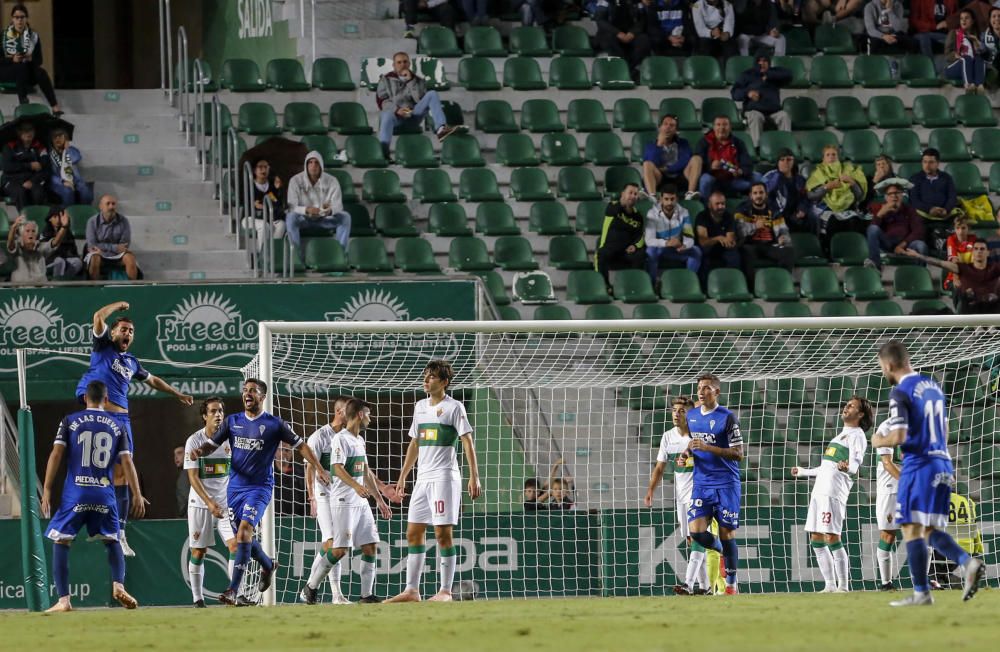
{"x": 924, "y": 493}
{"x": 720, "y": 503}
{"x": 248, "y": 504}
{"x": 100, "y": 515}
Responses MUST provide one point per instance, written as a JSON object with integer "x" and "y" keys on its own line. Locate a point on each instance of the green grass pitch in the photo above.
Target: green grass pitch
{"x": 856, "y": 621}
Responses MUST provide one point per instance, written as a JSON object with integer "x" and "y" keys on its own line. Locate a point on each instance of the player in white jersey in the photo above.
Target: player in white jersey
{"x": 835, "y": 475}
{"x": 885, "y": 505}
{"x": 439, "y": 421}
{"x": 674, "y": 442}
{"x": 207, "y": 503}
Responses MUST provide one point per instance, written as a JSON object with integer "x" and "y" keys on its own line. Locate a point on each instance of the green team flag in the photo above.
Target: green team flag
{"x": 33, "y": 564}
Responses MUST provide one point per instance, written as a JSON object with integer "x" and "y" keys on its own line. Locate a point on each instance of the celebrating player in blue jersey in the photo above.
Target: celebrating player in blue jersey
{"x": 92, "y": 441}
{"x": 717, "y": 446}
{"x": 918, "y": 424}
{"x": 113, "y": 365}
{"x": 254, "y": 437}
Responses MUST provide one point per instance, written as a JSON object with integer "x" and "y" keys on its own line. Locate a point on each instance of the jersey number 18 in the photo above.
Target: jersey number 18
{"x": 96, "y": 448}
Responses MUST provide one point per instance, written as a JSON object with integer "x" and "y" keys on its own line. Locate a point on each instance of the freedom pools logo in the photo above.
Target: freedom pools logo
{"x": 32, "y": 321}
{"x": 205, "y": 328}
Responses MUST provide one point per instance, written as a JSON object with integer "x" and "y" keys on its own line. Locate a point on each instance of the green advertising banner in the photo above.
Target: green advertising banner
{"x": 245, "y": 29}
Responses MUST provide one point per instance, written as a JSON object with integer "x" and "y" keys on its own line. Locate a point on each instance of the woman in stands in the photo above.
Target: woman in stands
{"x": 22, "y": 59}
{"x": 963, "y": 53}
{"x": 836, "y": 189}
{"x": 990, "y": 40}
{"x": 883, "y": 171}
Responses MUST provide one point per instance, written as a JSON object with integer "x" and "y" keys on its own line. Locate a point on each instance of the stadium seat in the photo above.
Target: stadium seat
{"x": 775, "y": 284}
{"x": 917, "y": 71}
{"x": 808, "y": 251}
{"x": 381, "y": 186}
{"x": 638, "y": 145}
{"x": 660, "y": 73}
{"x": 861, "y": 146}
{"x": 469, "y": 255}
{"x": 820, "y": 284}
{"x": 549, "y": 218}
{"x": 286, "y": 76}
{"x": 242, "y": 76}
{"x": 431, "y": 186}
{"x": 568, "y": 252}
{"x": 605, "y": 148}
{"x": 416, "y": 256}
{"x": 930, "y": 307}
{"x": 562, "y": 149}
{"x": 495, "y": 117}
{"x": 395, "y": 221}
{"x": 745, "y": 137}
{"x": 902, "y": 145}
{"x": 698, "y": 311}
{"x": 838, "y": 309}
{"x": 603, "y": 311}
{"x": 491, "y": 279}
{"x": 484, "y": 42}
{"x": 540, "y": 116}
{"x": 683, "y": 108}
{"x": 415, "y": 151}
{"x": 933, "y": 111}
{"x": 783, "y": 310}
{"x": 479, "y": 184}
{"x": 907, "y": 170}
{"x": 968, "y": 182}
{"x": 325, "y": 255}
{"x": 863, "y": 284}
{"x": 785, "y": 392}
{"x": 552, "y": 312}
{"x": 590, "y": 216}
{"x": 794, "y": 65}
{"x": 225, "y": 118}
{"x": 530, "y": 184}
{"x": 616, "y": 177}
{"x": 913, "y": 282}
{"x": 586, "y": 286}
{"x": 798, "y": 41}
{"x": 716, "y": 106}
{"x": 368, "y": 255}
{"x": 744, "y": 310}
{"x": 632, "y": 114}
{"x": 586, "y": 114}
{"x": 568, "y": 73}
{"x": 516, "y": 150}
{"x": 508, "y": 313}
{"x": 532, "y": 287}
{"x": 950, "y": 143}
{"x": 994, "y": 178}
{"x": 461, "y": 151}
{"x": 437, "y": 41}
{"x": 577, "y": 184}
{"x": 611, "y": 74}
{"x": 681, "y": 286}
{"x": 845, "y": 112}
{"x": 523, "y": 74}
{"x": 513, "y": 253}
{"x": 883, "y": 309}
{"x": 872, "y": 71}
{"x": 529, "y": 42}
{"x": 448, "y": 220}
{"x": 830, "y": 72}
{"x": 632, "y": 286}
{"x": 806, "y": 426}
{"x": 571, "y": 41}
{"x": 772, "y": 142}
{"x": 332, "y": 74}
{"x": 349, "y": 118}
{"x": 728, "y": 285}
{"x": 986, "y": 144}
{"x": 701, "y": 71}
{"x": 477, "y": 74}
{"x": 736, "y": 66}
{"x": 887, "y": 112}
{"x": 803, "y": 113}
{"x": 650, "y": 311}
{"x": 974, "y": 111}
{"x": 346, "y": 185}
{"x": 812, "y": 144}
{"x": 365, "y": 151}
{"x": 834, "y": 39}
{"x": 326, "y": 148}
{"x": 258, "y": 118}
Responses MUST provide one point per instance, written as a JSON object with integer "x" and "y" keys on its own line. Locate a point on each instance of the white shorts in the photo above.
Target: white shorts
{"x": 202, "y": 526}
{"x": 353, "y": 526}
{"x": 435, "y": 502}
{"x": 682, "y": 518}
{"x": 324, "y": 518}
{"x": 826, "y": 515}
{"x": 885, "y": 505}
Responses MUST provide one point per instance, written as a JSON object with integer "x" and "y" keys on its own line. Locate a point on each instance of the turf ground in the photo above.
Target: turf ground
{"x": 857, "y": 621}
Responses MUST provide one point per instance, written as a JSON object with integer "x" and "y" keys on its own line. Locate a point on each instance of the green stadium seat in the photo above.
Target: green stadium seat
{"x": 808, "y": 251}
{"x": 569, "y": 74}
{"x": 798, "y": 42}
{"x": 820, "y": 284}
{"x": 603, "y": 311}
{"x": 974, "y": 111}
{"x": 616, "y": 177}
{"x": 605, "y": 148}
{"x": 902, "y": 145}
{"x": 448, "y": 220}
{"x": 242, "y": 76}
{"x": 532, "y": 287}
{"x": 477, "y": 74}
{"x": 79, "y": 215}
{"x": 838, "y": 309}
{"x": 830, "y": 72}
{"x": 562, "y": 149}
{"x": 861, "y": 146}
{"x": 461, "y": 151}
{"x": 346, "y": 185}
{"x": 834, "y": 39}
{"x": 632, "y": 114}
{"x": 395, "y": 221}
{"x": 365, "y": 151}
{"x": 803, "y": 113}
{"x": 479, "y": 184}
{"x": 913, "y": 282}
{"x": 571, "y": 41}
{"x": 40, "y": 215}
{"x": 660, "y": 73}
{"x": 845, "y": 112}
{"x": 806, "y": 426}
{"x": 611, "y": 74}
{"x": 349, "y": 118}
{"x": 785, "y": 392}
{"x": 332, "y": 74}
{"x": 326, "y": 148}
{"x": 484, "y": 42}
{"x": 416, "y": 256}
{"x": 814, "y": 142}
{"x": 775, "y": 284}
{"x": 381, "y": 186}
{"x": 495, "y": 117}
{"x": 728, "y": 285}
{"x": 794, "y": 65}
{"x": 491, "y": 279}
{"x": 415, "y": 151}
{"x": 995, "y": 178}
{"x": 638, "y": 145}
{"x": 529, "y": 42}
{"x": 530, "y": 184}
{"x": 772, "y": 142}
{"x": 523, "y": 74}
{"x": 549, "y": 218}
{"x": 873, "y": 71}
{"x": 258, "y": 118}
{"x": 225, "y": 118}
{"x": 683, "y": 108}
{"x": 437, "y": 41}
{"x": 513, "y": 253}
{"x": 917, "y": 71}
{"x": 325, "y": 255}
{"x": 986, "y": 144}
{"x": 369, "y": 255}
{"x": 516, "y": 150}
{"x": 887, "y": 112}
{"x": 885, "y": 308}
{"x": 286, "y": 75}
{"x": 933, "y": 111}
{"x": 950, "y": 143}
{"x": 785, "y": 310}
{"x": 736, "y": 66}
{"x": 711, "y": 107}
{"x": 539, "y": 116}
{"x": 552, "y": 312}
{"x": 681, "y": 286}
{"x": 568, "y": 252}
{"x": 633, "y": 286}
{"x": 432, "y": 186}
{"x": 701, "y": 71}
{"x": 744, "y": 310}
{"x": 905, "y": 171}
{"x": 590, "y": 216}
{"x": 508, "y": 313}
{"x": 586, "y": 286}
{"x": 577, "y": 184}
{"x": 745, "y": 137}
{"x": 650, "y": 311}
{"x": 698, "y": 311}
{"x": 586, "y": 114}
{"x": 968, "y": 182}
{"x": 863, "y": 284}
{"x": 469, "y": 255}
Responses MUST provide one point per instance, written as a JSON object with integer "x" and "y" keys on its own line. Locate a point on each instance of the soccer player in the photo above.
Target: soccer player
{"x": 439, "y": 421}
{"x": 113, "y": 365}
{"x": 254, "y": 437}
{"x": 885, "y": 505}
{"x": 92, "y": 441}
{"x": 674, "y": 442}
{"x": 717, "y": 447}
{"x": 209, "y": 477}
{"x": 349, "y": 517}
{"x": 918, "y": 424}
{"x": 835, "y": 475}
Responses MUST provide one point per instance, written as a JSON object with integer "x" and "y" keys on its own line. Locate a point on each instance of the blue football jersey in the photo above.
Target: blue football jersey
{"x": 717, "y": 428}
{"x": 94, "y": 439}
{"x": 112, "y": 367}
{"x": 917, "y": 405}
{"x": 254, "y": 443}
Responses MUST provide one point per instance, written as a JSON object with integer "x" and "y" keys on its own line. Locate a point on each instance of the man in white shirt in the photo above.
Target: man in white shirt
{"x": 316, "y": 202}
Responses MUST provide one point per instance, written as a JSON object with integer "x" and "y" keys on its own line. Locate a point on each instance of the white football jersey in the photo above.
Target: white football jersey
{"x": 849, "y": 445}
{"x": 321, "y": 444}
{"x": 885, "y": 483}
{"x": 672, "y": 444}
{"x": 437, "y": 429}
{"x": 348, "y": 449}
{"x": 213, "y": 469}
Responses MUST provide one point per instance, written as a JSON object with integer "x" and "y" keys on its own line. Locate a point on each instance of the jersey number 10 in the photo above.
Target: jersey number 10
{"x": 934, "y": 416}
{"x": 96, "y": 448}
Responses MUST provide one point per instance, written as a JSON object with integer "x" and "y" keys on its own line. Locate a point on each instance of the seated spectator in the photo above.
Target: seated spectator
{"x": 764, "y": 233}
{"x": 789, "y": 11}
{"x": 895, "y": 227}
{"x": 786, "y": 188}
{"x": 25, "y": 168}
{"x": 621, "y": 32}
{"x": 883, "y": 171}
{"x": 532, "y": 12}
{"x": 958, "y": 248}
{"x": 668, "y": 161}
{"x": 666, "y": 25}
{"x": 757, "y": 25}
{"x": 560, "y": 495}
{"x": 836, "y": 190}
{"x": 723, "y": 161}
{"x": 531, "y": 502}
{"x": 963, "y": 54}
{"x": 315, "y": 201}
{"x": 64, "y": 259}
{"x": 65, "y": 181}
{"x": 267, "y": 186}
{"x": 109, "y": 235}
{"x": 934, "y": 198}
{"x": 990, "y": 40}
{"x": 714, "y": 22}
{"x": 621, "y": 245}
{"x": 22, "y": 59}
{"x": 885, "y": 27}
{"x": 846, "y": 13}
{"x": 978, "y": 280}
{"x": 758, "y": 88}
{"x": 402, "y": 96}
{"x": 670, "y": 236}
{"x": 440, "y": 10}
{"x": 716, "y": 229}
{"x": 929, "y": 23}
{"x": 27, "y": 252}
{"x": 475, "y": 12}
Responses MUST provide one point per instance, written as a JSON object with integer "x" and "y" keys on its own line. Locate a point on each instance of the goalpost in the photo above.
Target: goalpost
{"x": 585, "y": 403}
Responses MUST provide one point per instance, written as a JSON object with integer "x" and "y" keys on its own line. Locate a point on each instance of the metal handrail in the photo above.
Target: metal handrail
{"x": 312, "y": 61}
{"x": 199, "y": 118}
{"x": 183, "y": 96}
{"x": 232, "y": 201}
{"x": 166, "y": 52}
{"x": 214, "y": 151}
{"x": 242, "y": 218}
{"x": 267, "y": 250}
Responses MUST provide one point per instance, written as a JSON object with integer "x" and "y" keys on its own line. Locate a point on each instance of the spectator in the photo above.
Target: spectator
{"x": 108, "y": 238}
{"x": 403, "y": 97}
{"x": 846, "y": 13}
{"x": 25, "y": 168}
{"x": 666, "y": 25}
{"x": 621, "y": 32}
{"x": 786, "y": 188}
{"x": 764, "y": 233}
{"x": 289, "y": 484}
{"x": 315, "y": 201}
{"x": 789, "y": 11}
{"x": 440, "y": 10}
{"x": 883, "y": 171}
{"x": 980, "y": 12}
{"x": 28, "y": 252}
{"x": 836, "y": 189}
{"x": 560, "y": 495}
{"x": 266, "y": 185}
{"x": 532, "y": 12}
{"x": 964, "y": 54}
{"x": 531, "y": 502}
{"x": 886, "y": 27}
{"x": 714, "y": 28}
{"x": 716, "y": 229}
{"x": 22, "y": 60}
{"x": 66, "y": 182}
{"x": 475, "y": 12}
{"x": 757, "y": 25}
{"x": 990, "y": 40}
{"x": 64, "y": 259}
{"x": 929, "y": 23}
{"x": 958, "y": 248}
{"x": 758, "y": 89}
{"x": 978, "y": 280}
{"x": 895, "y": 227}
{"x": 728, "y": 164}
{"x": 668, "y": 161}
{"x": 183, "y": 485}
{"x": 670, "y": 236}
{"x": 934, "y": 198}
{"x": 621, "y": 244}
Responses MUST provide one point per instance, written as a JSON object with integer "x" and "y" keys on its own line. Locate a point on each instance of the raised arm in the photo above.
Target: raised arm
{"x": 161, "y": 385}
{"x": 943, "y": 264}
{"x": 102, "y": 314}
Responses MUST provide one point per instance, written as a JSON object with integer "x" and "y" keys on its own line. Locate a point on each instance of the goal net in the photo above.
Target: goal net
{"x": 579, "y": 408}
